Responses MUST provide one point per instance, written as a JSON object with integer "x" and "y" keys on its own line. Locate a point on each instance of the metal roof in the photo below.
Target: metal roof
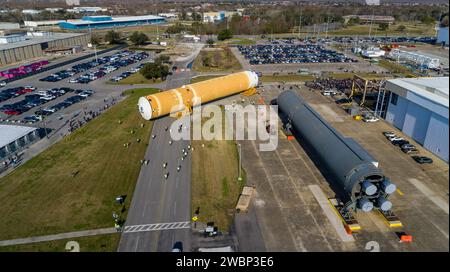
{"x": 10, "y": 133}
{"x": 435, "y": 89}
{"x": 116, "y": 19}
{"x": 31, "y": 40}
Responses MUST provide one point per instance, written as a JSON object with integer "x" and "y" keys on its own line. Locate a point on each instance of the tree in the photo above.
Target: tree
{"x": 383, "y": 26}
{"x": 154, "y": 71}
{"x": 112, "y": 37}
{"x": 206, "y": 61}
{"x": 210, "y": 42}
{"x": 138, "y": 38}
{"x": 162, "y": 59}
{"x": 224, "y": 35}
{"x": 95, "y": 39}
{"x": 401, "y": 28}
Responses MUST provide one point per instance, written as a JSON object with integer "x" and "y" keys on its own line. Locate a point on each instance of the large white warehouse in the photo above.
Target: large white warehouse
{"x": 419, "y": 108}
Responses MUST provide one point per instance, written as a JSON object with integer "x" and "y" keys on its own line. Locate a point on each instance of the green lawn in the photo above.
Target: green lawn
{"x": 203, "y": 78}
{"x": 220, "y": 60}
{"x": 237, "y": 41}
{"x": 98, "y": 243}
{"x": 41, "y": 197}
{"x": 412, "y": 29}
{"x": 286, "y": 78}
{"x": 396, "y": 68}
{"x": 136, "y": 78}
{"x": 215, "y": 185}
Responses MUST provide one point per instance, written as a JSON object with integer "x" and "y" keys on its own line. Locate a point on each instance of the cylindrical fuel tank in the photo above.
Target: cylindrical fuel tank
{"x": 348, "y": 163}
{"x": 175, "y": 100}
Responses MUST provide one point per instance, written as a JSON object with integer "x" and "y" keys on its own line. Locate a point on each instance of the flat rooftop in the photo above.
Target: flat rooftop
{"x": 435, "y": 89}
{"x": 31, "y": 40}
{"x": 10, "y": 133}
{"x": 114, "y": 19}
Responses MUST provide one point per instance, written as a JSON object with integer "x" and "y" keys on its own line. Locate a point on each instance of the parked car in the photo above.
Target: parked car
{"x": 422, "y": 159}
{"x": 369, "y": 118}
{"x": 389, "y": 134}
{"x": 400, "y": 142}
{"x": 329, "y": 93}
{"x": 2, "y": 83}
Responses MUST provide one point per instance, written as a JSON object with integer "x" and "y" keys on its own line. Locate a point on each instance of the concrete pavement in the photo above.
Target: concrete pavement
{"x": 160, "y": 200}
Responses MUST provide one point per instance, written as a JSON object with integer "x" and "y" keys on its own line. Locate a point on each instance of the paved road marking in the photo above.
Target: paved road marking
{"x": 332, "y": 217}
{"x": 60, "y": 236}
{"x": 430, "y": 194}
{"x": 158, "y": 226}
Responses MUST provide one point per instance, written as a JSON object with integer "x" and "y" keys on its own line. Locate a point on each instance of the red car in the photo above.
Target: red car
{"x": 12, "y": 112}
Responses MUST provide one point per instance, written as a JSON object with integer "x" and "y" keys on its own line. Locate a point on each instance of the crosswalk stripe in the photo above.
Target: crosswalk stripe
{"x": 157, "y": 226}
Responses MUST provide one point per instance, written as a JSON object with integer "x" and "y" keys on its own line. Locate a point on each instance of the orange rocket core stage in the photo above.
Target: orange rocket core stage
{"x": 188, "y": 96}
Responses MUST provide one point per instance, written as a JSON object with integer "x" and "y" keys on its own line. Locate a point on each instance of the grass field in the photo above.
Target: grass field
{"x": 412, "y": 29}
{"x": 215, "y": 186}
{"x": 41, "y": 197}
{"x": 286, "y": 78}
{"x": 99, "y": 243}
{"x": 136, "y": 78}
{"x": 237, "y": 41}
{"x": 396, "y": 68}
{"x": 219, "y": 60}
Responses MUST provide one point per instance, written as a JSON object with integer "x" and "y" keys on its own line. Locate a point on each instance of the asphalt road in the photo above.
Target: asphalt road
{"x": 160, "y": 200}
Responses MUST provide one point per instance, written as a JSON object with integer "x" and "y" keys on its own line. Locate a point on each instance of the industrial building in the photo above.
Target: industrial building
{"x": 211, "y": 17}
{"x": 419, "y": 108}
{"x": 42, "y": 23}
{"x": 93, "y": 22}
{"x": 14, "y": 138}
{"x": 31, "y": 45}
{"x": 442, "y": 36}
{"x": 7, "y": 25}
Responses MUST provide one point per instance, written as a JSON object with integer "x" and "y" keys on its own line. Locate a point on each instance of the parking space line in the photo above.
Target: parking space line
{"x": 330, "y": 214}
{"x": 430, "y": 194}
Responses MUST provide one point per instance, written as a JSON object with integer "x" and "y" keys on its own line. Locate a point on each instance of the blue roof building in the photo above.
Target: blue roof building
{"x": 102, "y": 21}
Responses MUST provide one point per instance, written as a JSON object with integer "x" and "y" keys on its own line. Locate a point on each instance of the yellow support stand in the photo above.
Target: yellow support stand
{"x": 250, "y": 92}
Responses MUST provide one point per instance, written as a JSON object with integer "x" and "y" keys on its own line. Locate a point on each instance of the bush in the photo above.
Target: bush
{"x": 224, "y": 34}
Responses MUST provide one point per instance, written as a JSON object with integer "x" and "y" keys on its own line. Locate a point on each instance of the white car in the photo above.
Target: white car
{"x": 30, "y": 87}
{"x": 389, "y": 134}
{"x": 370, "y": 119}
{"x": 2, "y": 83}
{"x": 47, "y": 97}
{"x": 73, "y": 80}
{"x": 328, "y": 93}
{"x": 395, "y": 138}
{"x": 52, "y": 110}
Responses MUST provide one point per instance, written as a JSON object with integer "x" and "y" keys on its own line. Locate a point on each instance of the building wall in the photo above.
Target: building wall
{"x": 396, "y": 113}
{"x": 428, "y": 128}
{"x": 442, "y": 35}
{"x": 436, "y": 140}
{"x": 28, "y": 52}
{"x": 68, "y": 25}
{"x": 416, "y": 122}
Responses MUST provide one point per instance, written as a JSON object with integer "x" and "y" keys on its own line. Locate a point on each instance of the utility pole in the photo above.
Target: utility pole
{"x": 300, "y": 24}
{"x": 240, "y": 162}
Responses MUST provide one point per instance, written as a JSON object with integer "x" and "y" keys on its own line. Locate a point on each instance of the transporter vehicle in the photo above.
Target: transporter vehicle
{"x": 422, "y": 159}
{"x": 353, "y": 173}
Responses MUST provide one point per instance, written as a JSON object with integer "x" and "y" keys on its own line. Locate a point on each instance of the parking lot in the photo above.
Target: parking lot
{"x": 108, "y": 64}
{"x": 291, "y": 53}
{"x": 292, "y": 219}
{"x": 20, "y": 101}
